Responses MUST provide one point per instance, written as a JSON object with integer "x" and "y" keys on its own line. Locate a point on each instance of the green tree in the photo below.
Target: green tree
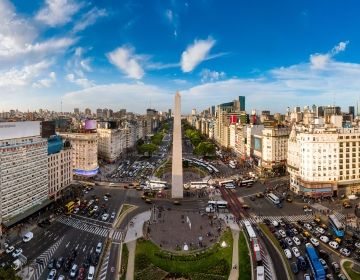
{"x": 7, "y": 273}
{"x": 157, "y": 138}
{"x": 147, "y": 148}
{"x": 205, "y": 149}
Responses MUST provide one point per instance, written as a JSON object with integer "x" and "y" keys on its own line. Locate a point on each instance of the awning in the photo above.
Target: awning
{"x": 13, "y": 220}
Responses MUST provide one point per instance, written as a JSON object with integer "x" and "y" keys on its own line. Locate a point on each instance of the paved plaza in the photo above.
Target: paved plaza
{"x": 173, "y": 230}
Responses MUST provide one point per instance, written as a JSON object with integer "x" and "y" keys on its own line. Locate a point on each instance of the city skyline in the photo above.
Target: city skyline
{"x": 296, "y": 54}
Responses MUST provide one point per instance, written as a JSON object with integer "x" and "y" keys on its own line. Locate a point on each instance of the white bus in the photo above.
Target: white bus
{"x": 156, "y": 185}
{"x": 226, "y": 182}
{"x": 247, "y": 182}
{"x": 273, "y": 198}
{"x": 232, "y": 164}
{"x": 198, "y": 185}
{"x": 249, "y": 230}
{"x": 214, "y": 205}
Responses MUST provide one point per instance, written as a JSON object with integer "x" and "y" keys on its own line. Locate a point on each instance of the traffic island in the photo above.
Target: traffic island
{"x": 352, "y": 270}
{"x": 244, "y": 258}
{"x": 154, "y": 263}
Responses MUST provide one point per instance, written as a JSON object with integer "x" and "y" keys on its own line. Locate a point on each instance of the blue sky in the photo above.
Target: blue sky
{"x": 130, "y": 54}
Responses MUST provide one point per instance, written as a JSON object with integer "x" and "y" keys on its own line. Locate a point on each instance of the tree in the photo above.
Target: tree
{"x": 205, "y": 149}
{"x": 147, "y": 148}
{"x": 7, "y": 273}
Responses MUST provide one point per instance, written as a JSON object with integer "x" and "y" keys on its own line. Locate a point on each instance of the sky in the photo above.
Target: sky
{"x": 136, "y": 54}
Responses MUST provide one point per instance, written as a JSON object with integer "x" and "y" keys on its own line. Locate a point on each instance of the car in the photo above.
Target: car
{"x": 59, "y": 262}
{"x": 73, "y": 271}
{"x": 335, "y": 267}
{"x": 52, "y": 274}
{"x": 283, "y": 244}
{"x": 98, "y": 248}
{"x": 341, "y": 277}
{"x": 324, "y": 264}
{"x": 61, "y": 277}
{"x": 324, "y": 238}
{"x": 81, "y": 275}
{"x": 344, "y": 251}
{"x": 307, "y": 276}
{"x": 296, "y": 251}
{"x": 294, "y": 268}
{"x": 17, "y": 253}
{"x": 357, "y": 245}
{"x": 282, "y": 233}
{"x": 295, "y": 231}
{"x": 289, "y": 241}
{"x": 39, "y": 261}
{"x": 267, "y": 221}
{"x": 307, "y": 226}
{"x": 329, "y": 277}
{"x": 252, "y": 198}
{"x": 91, "y": 273}
{"x": 324, "y": 255}
{"x": 275, "y": 223}
{"x": 113, "y": 214}
{"x": 28, "y": 236}
{"x": 148, "y": 201}
{"x": 6, "y": 245}
{"x": 302, "y": 263}
{"x": 319, "y": 229}
{"x": 296, "y": 240}
{"x": 105, "y": 216}
{"x": 96, "y": 208}
{"x": 288, "y": 253}
{"x": 334, "y": 244}
{"x": 106, "y": 198}
{"x": 277, "y": 235}
{"x": 314, "y": 241}
{"x": 9, "y": 249}
{"x": 51, "y": 264}
{"x": 307, "y": 234}
{"x": 289, "y": 199}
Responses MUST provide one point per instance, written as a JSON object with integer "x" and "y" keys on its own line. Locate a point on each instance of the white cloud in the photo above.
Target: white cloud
{"x": 195, "y": 54}
{"x": 21, "y": 77}
{"x": 46, "y": 82}
{"x": 89, "y": 18}
{"x": 320, "y": 61}
{"x": 82, "y": 82}
{"x": 211, "y": 76}
{"x": 58, "y": 12}
{"x": 18, "y": 39}
{"x": 125, "y": 59}
{"x": 169, "y": 15}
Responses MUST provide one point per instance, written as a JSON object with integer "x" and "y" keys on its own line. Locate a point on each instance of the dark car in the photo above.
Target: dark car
{"x": 67, "y": 264}
{"x": 59, "y": 263}
{"x": 301, "y": 263}
{"x": 94, "y": 259}
{"x": 324, "y": 255}
{"x": 51, "y": 264}
{"x": 342, "y": 277}
{"x": 82, "y": 274}
{"x": 283, "y": 244}
{"x": 39, "y": 261}
{"x": 294, "y": 268}
{"x": 267, "y": 222}
{"x": 252, "y": 198}
{"x": 335, "y": 267}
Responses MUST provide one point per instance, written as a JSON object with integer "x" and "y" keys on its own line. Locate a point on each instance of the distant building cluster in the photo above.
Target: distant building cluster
{"x": 317, "y": 146}
{"x": 42, "y": 152}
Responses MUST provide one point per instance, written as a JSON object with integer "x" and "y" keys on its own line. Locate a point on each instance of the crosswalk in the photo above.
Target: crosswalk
{"x": 85, "y": 226}
{"x": 290, "y": 218}
{"x": 266, "y": 264}
{"x": 104, "y": 266}
{"x": 116, "y": 235}
{"x": 45, "y": 257}
{"x": 340, "y": 216}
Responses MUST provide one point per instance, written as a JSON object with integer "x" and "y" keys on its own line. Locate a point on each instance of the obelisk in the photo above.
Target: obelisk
{"x": 177, "y": 169}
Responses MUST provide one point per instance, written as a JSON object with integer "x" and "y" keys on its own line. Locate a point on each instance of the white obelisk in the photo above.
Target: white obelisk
{"x": 177, "y": 169}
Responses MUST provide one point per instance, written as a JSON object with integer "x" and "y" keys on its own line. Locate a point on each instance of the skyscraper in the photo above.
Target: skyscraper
{"x": 352, "y": 111}
{"x": 242, "y": 103}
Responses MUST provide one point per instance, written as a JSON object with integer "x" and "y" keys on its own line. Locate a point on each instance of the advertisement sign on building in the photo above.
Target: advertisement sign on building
{"x": 11, "y": 130}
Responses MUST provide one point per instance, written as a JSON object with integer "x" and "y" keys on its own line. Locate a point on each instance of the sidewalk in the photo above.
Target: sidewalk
{"x": 131, "y": 260}
{"x": 234, "y": 273}
{"x": 135, "y": 231}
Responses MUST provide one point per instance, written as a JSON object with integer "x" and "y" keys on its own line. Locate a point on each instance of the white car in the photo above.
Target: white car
{"x": 334, "y": 244}
{"x": 76, "y": 210}
{"x": 288, "y": 253}
{"x": 96, "y": 208}
{"x": 288, "y": 241}
{"x": 357, "y": 245}
{"x": 320, "y": 230}
{"x": 275, "y": 223}
{"x": 307, "y": 226}
{"x": 105, "y": 217}
{"x": 296, "y": 251}
{"x": 282, "y": 233}
{"x": 314, "y": 241}
{"x": 296, "y": 240}
{"x": 10, "y": 249}
{"x": 17, "y": 253}
{"x": 344, "y": 251}
{"x": 294, "y": 230}
{"x": 113, "y": 214}
{"x": 324, "y": 239}
{"x": 61, "y": 277}
{"x": 106, "y": 198}
{"x": 52, "y": 274}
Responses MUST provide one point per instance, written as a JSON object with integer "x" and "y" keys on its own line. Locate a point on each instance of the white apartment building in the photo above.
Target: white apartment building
{"x": 324, "y": 161}
{"x": 23, "y": 169}
{"x": 84, "y": 148}
{"x": 111, "y": 143}
{"x": 274, "y": 147}
{"x": 60, "y": 171}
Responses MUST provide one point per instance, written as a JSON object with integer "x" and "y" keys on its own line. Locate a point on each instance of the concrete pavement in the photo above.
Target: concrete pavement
{"x": 131, "y": 260}
{"x": 135, "y": 229}
{"x": 234, "y": 273}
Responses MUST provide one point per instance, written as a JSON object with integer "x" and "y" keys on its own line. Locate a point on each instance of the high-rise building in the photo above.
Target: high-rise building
{"x": 193, "y": 112}
{"x": 242, "y": 103}
{"x": 23, "y": 169}
{"x": 99, "y": 113}
{"x": 84, "y": 153}
{"x": 111, "y": 143}
{"x": 352, "y": 111}
{"x": 87, "y": 112}
{"x": 47, "y": 129}
{"x": 76, "y": 111}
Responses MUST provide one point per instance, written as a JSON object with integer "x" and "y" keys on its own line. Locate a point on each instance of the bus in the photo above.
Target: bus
{"x": 247, "y": 182}
{"x": 232, "y": 164}
{"x": 156, "y": 185}
{"x": 213, "y": 168}
{"x": 316, "y": 267}
{"x": 249, "y": 230}
{"x": 69, "y": 207}
{"x": 198, "y": 185}
{"x": 260, "y": 273}
{"x": 273, "y": 198}
{"x": 256, "y": 251}
{"x": 214, "y": 205}
{"x": 336, "y": 226}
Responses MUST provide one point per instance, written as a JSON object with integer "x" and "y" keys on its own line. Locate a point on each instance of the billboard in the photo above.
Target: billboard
{"x": 11, "y": 130}
{"x": 233, "y": 119}
{"x": 257, "y": 144}
{"x": 90, "y": 124}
